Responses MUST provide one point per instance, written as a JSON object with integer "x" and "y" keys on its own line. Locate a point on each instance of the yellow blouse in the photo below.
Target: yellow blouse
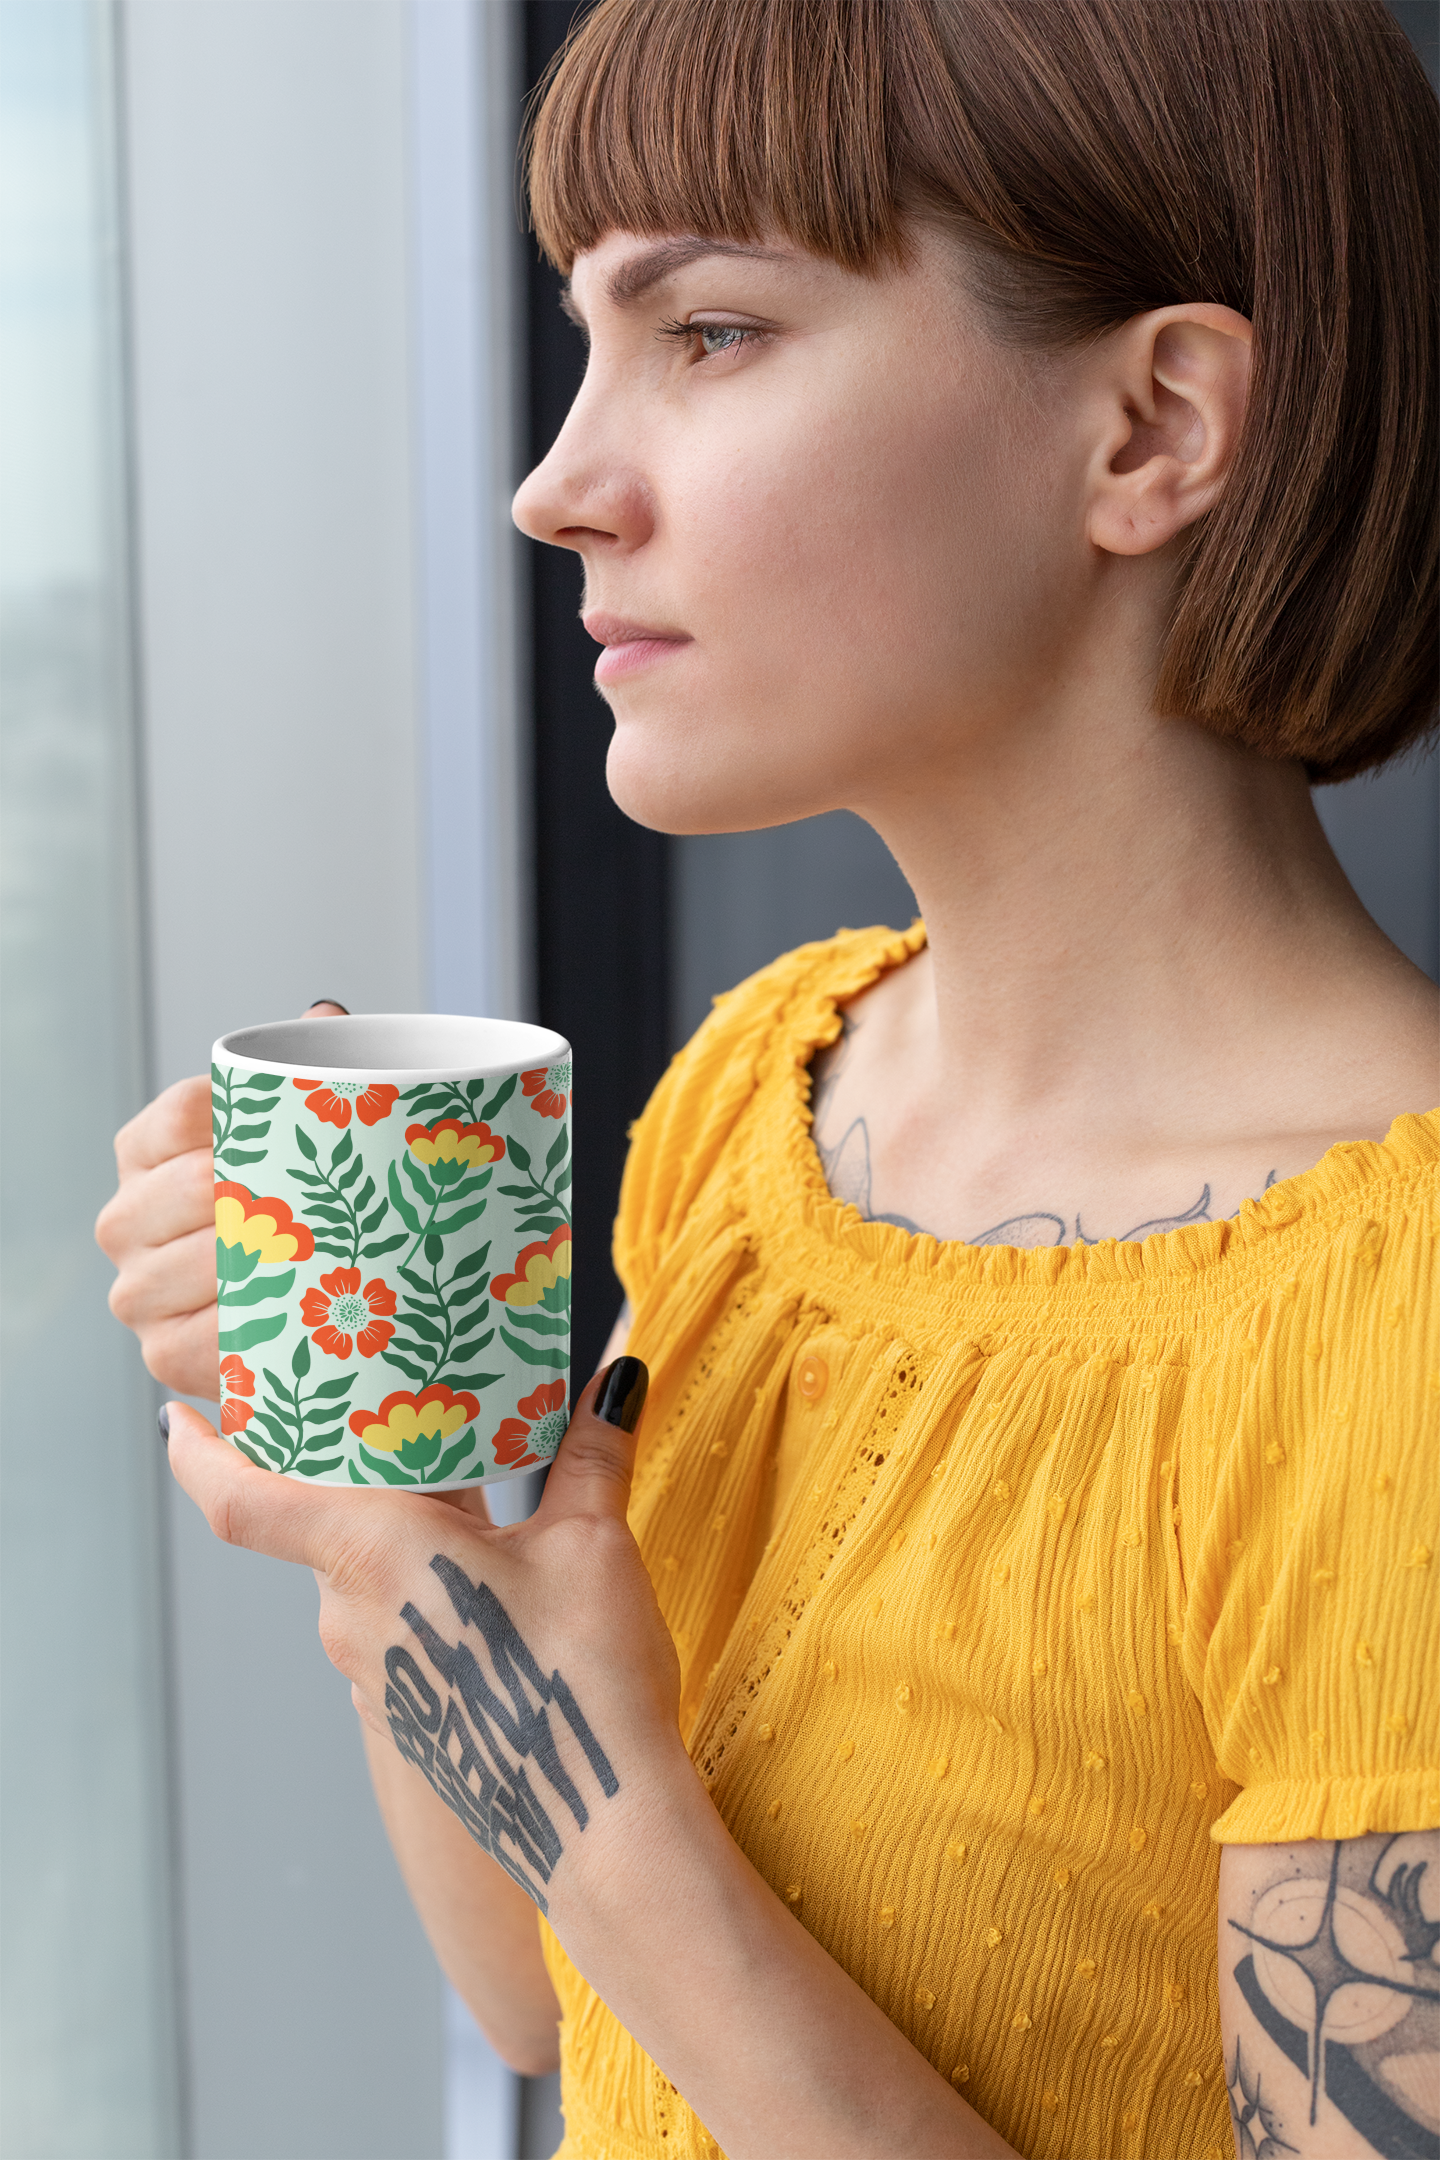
{"x": 1087, "y": 1561}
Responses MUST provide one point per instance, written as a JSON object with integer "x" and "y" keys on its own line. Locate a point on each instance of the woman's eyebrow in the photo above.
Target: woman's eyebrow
{"x": 640, "y": 272}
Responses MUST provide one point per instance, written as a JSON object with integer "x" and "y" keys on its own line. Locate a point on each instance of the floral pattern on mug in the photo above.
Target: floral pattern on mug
{"x": 533, "y": 1435}
{"x": 330, "y": 1100}
{"x": 262, "y": 1225}
{"x": 547, "y": 1089}
{"x": 435, "y": 1414}
{"x": 448, "y": 1141}
{"x": 236, "y": 1381}
{"x": 340, "y": 1310}
{"x": 541, "y": 1274}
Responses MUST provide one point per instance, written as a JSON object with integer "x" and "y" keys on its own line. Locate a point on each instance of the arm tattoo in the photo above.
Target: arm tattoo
{"x": 846, "y": 1164}
{"x": 473, "y": 1745}
{"x": 1339, "y": 1971}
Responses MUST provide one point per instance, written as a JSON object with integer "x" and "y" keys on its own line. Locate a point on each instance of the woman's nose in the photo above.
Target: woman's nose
{"x": 582, "y": 494}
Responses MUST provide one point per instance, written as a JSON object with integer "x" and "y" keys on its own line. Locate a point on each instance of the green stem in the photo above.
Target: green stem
{"x": 444, "y": 1351}
{"x": 344, "y": 1200}
{"x": 229, "y": 1116}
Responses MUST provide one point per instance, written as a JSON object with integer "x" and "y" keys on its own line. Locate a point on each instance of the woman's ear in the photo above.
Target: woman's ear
{"x": 1174, "y": 384}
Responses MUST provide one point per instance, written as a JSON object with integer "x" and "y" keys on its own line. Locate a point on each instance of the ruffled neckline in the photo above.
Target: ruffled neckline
{"x": 1411, "y": 1145}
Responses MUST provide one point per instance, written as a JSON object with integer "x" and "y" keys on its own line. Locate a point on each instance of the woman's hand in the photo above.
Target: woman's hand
{"x": 159, "y": 1230}
{"x": 525, "y": 1671}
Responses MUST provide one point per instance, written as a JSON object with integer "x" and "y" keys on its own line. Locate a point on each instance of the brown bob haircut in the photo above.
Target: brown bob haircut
{"x": 1100, "y": 158}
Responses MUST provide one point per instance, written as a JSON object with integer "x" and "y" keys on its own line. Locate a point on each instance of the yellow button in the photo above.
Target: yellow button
{"x": 812, "y": 1377}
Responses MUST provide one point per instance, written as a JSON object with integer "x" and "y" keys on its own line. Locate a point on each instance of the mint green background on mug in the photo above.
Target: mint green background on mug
{"x": 421, "y": 1239}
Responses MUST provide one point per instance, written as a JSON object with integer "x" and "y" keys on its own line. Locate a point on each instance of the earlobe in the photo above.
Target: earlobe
{"x": 1177, "y": 381}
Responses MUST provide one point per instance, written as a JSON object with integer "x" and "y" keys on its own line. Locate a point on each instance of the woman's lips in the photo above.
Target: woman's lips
{"x": 629, "y": 646}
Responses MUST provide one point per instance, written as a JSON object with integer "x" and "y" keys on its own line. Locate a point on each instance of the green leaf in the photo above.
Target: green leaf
{"x": 306, "y": 1145}
{"x": 217, "y": 1078}
{"x": 562, "y": 1182}
{"x": 423, "y": 1327}
{"x": 471, "y": 1262}
{"x": 540, "y": 1226}
{"x": 518, "y": 1155}
{"x": 251, "y": 1132}
{"x": 419, "y": 1180}
{"x": 520, "y": 1192}
{"x": 428, "y": 1305}
{"x": 333, "y": 1387}
{"x": 474, "y": 1184}
{"x": 286, "y": 1394}
{"x": 416, "y": 1280}
{"x": 259, "y": 1289}
{"x": 347, "y": 1178}
{"x": 391, "y": 1472}
{"x": 557, "y": 1149}
{"x": 403, "y": 1208}
{"x": 316, "y": 1467}
{"x": 233, "y": 1263}
{"x": 343, "y": 1149}
{"x": 472, "y": 1380}
{"x": 309, "y": 1178}
{"x": 411, "y": 1372}
{"x": 279, "y": 1432}
{"x": 501, "y": 1096}
{"x": 530, "y": 1352}
{"x": 373, "y": 1252}
{"x": 322, "y": 1424}
{"x": 542, "y": 1323}
{"x": 355, "y": 1477}
{"x": 254, "y": 1331}
{"x": 372, "y": 1223}
{"x": 450, "y": 1462}
{"x": 336, "y": 1251}
{"x": 434, "y": 1250}
{"x": 468, "y": 1297}
{"x": 254, "y": 1102}
{"x": 452, "y": 1223}
{"x": 330, "y": 1211}
{"x": 300, "y": 1358}
{"x": 421, "y": 1452}
{"x": 469, "y": 1349}
{"x": 263, "y": 1080}
{"x": 249, "y": 1452}
{"x": 238, "y": 1158}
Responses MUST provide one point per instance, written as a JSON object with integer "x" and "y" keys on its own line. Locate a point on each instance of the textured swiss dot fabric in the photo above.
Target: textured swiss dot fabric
{"x": 1008, "y": 1585}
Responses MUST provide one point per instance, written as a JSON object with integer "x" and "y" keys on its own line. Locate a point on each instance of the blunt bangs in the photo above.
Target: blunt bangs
{"x": 724, "y": 118}
{"x": 1098, "y": 159}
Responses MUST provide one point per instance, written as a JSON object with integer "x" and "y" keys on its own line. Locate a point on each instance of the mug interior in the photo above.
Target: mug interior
{"x": 441, "y": 1045}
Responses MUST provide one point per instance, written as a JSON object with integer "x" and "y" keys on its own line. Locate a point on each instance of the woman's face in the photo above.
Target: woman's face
{"x": 832, "y": 531}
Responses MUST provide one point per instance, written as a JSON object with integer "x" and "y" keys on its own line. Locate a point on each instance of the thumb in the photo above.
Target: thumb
{"x": 591, "y": 1473}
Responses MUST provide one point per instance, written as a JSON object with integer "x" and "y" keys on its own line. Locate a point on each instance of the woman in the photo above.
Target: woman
{"x": 1015, "y": 423}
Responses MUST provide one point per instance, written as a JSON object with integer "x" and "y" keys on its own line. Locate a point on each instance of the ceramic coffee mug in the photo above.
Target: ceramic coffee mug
{"x": 392, "y": 1223}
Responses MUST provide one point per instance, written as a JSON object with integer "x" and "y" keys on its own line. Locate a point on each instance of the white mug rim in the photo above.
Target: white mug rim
{"x": 531, "y": 1045}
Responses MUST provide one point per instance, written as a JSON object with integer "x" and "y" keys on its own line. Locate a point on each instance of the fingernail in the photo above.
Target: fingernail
{"x": 162, "y": 1419}
{"x": 328, "y": 1001}
{"x": 621, "y": 1394}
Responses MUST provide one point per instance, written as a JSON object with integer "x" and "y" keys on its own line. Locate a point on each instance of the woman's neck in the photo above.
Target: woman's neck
{"x": 1137, "y": 928}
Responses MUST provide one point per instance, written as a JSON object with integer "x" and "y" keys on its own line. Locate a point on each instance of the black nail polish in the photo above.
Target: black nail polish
{"x": 162, "y": 1419}
{"x": 331, "y": 1001}
{"x": 620, "y": 1397}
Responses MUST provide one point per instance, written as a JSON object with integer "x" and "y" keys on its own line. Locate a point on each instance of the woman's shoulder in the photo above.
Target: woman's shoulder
{"x": 789, "y": 1005}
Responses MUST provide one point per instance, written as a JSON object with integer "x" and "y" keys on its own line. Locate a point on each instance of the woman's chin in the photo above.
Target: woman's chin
{"x": 658, "y": 785}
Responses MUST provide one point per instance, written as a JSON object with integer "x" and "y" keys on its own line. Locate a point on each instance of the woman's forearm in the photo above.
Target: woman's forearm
{"x": 771, "y": 2042}
{"x": 482, "y": 1925}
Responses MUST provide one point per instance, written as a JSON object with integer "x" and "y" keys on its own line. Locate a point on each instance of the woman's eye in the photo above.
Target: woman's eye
{"x": 719, "y": 337}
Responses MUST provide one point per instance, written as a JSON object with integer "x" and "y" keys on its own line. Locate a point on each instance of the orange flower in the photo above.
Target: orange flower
{"x": 538, "y": 1268}
{"x": 330, "y": 1100}
{"x": 540, "y": 1427}
{"x": 340, "y": 1309}
{"x": 404, "y": 1417}
{"x": 265, "y": 1227}
{"x": 450, "y": 1141}
{"x": 548, "y": 1088}
{"x": 236, "y": 1378}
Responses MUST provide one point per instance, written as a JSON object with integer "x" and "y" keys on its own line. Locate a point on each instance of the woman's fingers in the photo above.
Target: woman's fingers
{"x": 591, "y": 1473}
{"x": 172, "y": 1124}
{"x": 247, "y": 1506}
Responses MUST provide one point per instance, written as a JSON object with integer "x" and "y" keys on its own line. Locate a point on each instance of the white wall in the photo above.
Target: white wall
{"x": 270, "y": 265}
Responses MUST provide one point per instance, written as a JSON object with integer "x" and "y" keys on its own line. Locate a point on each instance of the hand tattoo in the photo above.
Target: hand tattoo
{"x": 846, "y": 1164}
{"x": 1342, "y": 1979}
{"x": 474, "y": 1746}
